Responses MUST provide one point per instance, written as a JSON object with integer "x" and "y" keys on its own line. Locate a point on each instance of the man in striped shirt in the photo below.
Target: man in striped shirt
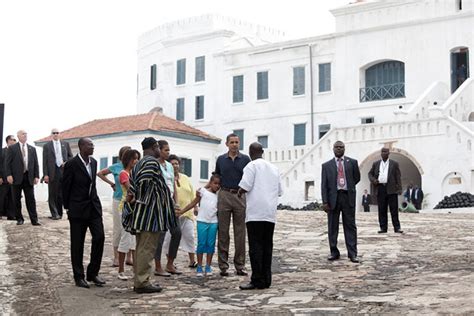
{"x": 149, "y": 211}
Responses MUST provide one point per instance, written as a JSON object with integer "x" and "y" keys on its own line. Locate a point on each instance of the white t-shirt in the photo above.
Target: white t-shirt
{"x": 207, "y": 212}
{"x": 261, "y": 180}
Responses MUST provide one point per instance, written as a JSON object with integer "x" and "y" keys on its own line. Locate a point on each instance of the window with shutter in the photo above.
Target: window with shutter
{"x": 199, "y": 115}
{"x": 298, "y": 80}
{"x": 263, "y": 140}
{"x": 299, "y": 134}
{"x": 180, "y": 109}
{"x": 181, "y": 71}
{"x": 186, "y": 166}
{"x": 153, "y": 77}
{"x": 240, "y": 133}
{"x": 262, "y": 85}
{"x": 200, "y": 71}
{"x": 204, "y": 170}
{"x": 238, "y": 89}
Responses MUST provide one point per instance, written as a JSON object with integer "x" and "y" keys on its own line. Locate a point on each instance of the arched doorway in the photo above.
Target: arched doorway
{"x": 410, "y": 169}
{"x": 459, "y": 66}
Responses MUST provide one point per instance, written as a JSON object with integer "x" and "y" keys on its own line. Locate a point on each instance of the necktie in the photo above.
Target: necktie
{"x": 23, "y": 152}
{"x": 341, "y": 181}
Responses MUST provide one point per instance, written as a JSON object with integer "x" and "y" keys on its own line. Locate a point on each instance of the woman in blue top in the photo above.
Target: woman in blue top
{"x": 115, "y": 170}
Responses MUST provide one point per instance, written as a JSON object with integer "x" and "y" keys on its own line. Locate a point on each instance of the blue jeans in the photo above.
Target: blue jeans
{"x": 207, "y": 233}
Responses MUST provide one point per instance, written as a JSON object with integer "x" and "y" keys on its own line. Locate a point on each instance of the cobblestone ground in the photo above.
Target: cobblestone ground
{"x": 427, "y": 270}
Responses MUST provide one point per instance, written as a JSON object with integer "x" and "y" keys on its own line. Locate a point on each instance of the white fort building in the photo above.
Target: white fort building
{"x": 394, "y": 73}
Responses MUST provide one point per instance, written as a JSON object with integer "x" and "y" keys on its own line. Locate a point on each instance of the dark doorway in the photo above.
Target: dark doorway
{"x": 459, "y": 67}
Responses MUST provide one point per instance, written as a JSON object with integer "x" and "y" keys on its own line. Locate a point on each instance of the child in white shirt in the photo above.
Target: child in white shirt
{"x": 206, "y": 222}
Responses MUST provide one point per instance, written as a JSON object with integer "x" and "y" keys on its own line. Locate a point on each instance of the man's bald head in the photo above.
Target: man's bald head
{"x": 255, "y": 150}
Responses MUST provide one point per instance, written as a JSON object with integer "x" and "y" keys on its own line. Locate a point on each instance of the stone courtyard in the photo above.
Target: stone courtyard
{"x": 426, "y": 270}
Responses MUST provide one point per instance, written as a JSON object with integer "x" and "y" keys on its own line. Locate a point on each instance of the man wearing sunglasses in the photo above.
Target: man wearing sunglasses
{"x": 55, "y": 154}
{"x": 6, "y": 198}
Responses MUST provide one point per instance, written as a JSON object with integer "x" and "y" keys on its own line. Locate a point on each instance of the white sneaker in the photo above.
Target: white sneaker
{"x": 122, "y": 276}
{"x": 199, "y": 271}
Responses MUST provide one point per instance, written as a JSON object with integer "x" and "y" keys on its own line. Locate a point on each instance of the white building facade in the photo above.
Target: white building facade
{"x": 395, "y": 73}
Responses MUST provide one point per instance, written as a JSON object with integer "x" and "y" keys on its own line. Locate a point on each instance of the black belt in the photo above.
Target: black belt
{"x": 342, "y": 191}
{"x": 233, "y": 191}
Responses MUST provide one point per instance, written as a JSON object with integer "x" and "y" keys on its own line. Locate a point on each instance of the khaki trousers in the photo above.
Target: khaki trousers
{"x": 144, "y": 258}
{"x": 230, "y": 205}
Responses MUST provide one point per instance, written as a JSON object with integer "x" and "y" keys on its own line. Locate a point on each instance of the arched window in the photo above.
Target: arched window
{"x": 385, "y": 80}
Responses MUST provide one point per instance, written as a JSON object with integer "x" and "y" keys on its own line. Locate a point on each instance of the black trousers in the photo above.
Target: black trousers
{"x": 348, "y": 224}
{"x": 78, "y": 229}
{"x": 6, "y": 201}
{"x": 386, "y": 201}
{"x": 55, "y": 194}
{"x": 366, "y": 208}
{"x": 260, "y": 236}
{"x": 29, "y": 192}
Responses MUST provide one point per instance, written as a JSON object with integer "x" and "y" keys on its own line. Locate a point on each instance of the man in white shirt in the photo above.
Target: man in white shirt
{"x": 55, "y": 154}
{"x": 261, "y": 183}
{"x": 386, "y": 177}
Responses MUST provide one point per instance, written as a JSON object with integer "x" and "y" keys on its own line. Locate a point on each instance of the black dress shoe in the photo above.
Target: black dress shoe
{"x": 82, "y": 283}
{"x": 399, "y": 231}
{"x": 96, "y": 280}
{"x": 148, "y": 289}
{"x": 248, "y": 286}
{"x": 20, "y": 222}
{"x": 11, "y": 219}
{"x": 333, "y": 257}
{"x": 224, "y": 273}
{"x": 241, "y": 273}
{"x": 382, "y": 231}
{"x": 36, "y": 224}
{"x": 354, "y": 259}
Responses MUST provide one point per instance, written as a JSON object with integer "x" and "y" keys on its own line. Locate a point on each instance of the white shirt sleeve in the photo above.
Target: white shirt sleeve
{"x": 248, "y": 177}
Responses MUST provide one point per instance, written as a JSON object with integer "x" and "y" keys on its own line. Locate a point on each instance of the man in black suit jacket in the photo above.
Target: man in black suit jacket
{"x": 6, "y": 198}
{"x": 339, "y": 177}
{"x": 55, "y": 153}
{"x": 366, "y": 201}
{"x": 22, "y": 171}
{"x": 417, "y": 197}
{"x": 386, "y": 177}
{"x": 84, "y": 211}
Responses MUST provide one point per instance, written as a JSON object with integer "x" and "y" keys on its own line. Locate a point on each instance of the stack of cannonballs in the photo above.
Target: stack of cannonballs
{"x": 456, "y": 200}
{"x": 313, "y": 206}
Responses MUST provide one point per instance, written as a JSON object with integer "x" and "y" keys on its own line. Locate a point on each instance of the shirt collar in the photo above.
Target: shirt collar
{"x": 85, "y": 164}
{"x": 239, "y": 155}
{"x": 336, "y": 159}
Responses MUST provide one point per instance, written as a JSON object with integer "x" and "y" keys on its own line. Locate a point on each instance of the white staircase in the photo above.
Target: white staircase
{"x": 437, "y": 138}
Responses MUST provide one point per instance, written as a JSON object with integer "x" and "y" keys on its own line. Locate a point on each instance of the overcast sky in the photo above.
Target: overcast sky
{"x": 63, "y": 63}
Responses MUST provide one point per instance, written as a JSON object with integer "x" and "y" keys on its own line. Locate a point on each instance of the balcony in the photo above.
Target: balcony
{"x": 382, "y": 92}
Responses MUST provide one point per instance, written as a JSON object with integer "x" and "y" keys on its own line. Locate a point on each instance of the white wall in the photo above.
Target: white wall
{"x": 110, "y": 146}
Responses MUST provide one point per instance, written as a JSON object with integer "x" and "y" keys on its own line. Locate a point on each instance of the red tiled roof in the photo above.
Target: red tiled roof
{"x": 153, "y": 121}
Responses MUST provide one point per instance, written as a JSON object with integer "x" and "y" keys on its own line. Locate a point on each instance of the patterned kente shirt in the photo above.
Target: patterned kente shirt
{"x": 153, "y": 210}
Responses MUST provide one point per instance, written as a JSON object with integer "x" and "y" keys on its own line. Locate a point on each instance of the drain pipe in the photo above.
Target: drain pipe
{"x": 311, "y": 91}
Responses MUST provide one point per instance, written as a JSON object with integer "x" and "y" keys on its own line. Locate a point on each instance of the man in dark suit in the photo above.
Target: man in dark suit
{"x": 386, "y": 177}
{"x": 366, "y": 201}
{"x": 55, "y": 153}
{"x": 339, "y": 177}
{"x": 6, "y": 198}
{"x": 417, "y": 197}
{"x": 84, "y": 211}
{"x": 22, "y": 171}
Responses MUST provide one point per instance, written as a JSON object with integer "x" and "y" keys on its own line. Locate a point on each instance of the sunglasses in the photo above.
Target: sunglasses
{"x": 55, "y": 133}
